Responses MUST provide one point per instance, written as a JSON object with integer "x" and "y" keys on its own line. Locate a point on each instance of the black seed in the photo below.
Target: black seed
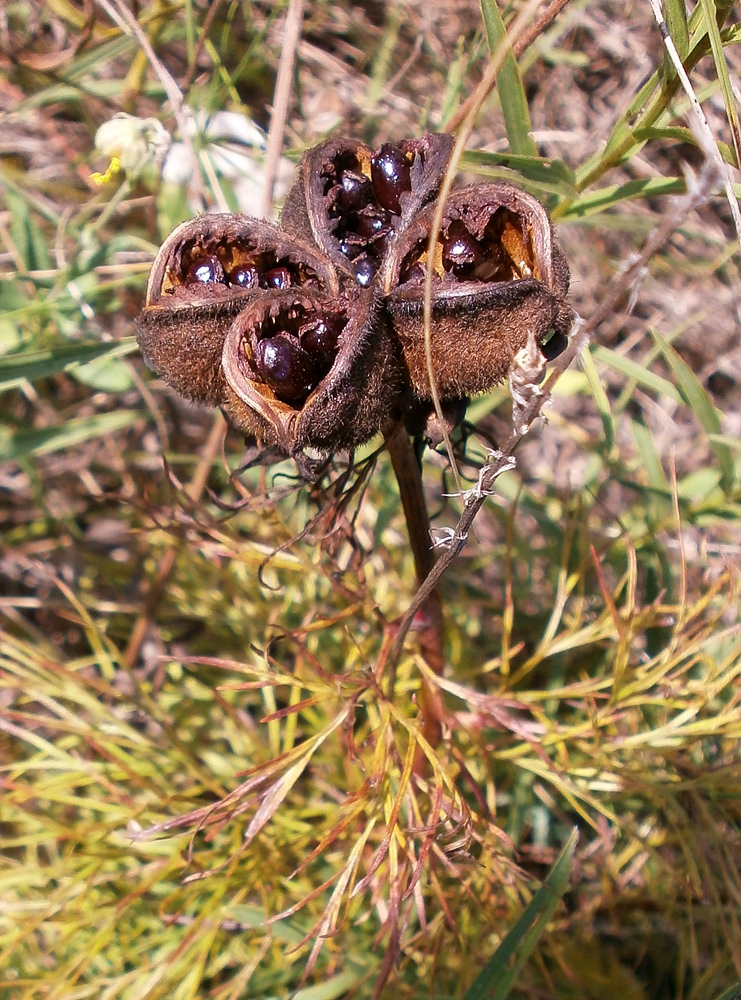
{"x": 286, "y": 367}
{"x": 244, "y": 276}
{"x": 391, "y": 176}
{"x": 350, "y": 248}
{"x": 365, "y": 268}
{"x": 205, "y": 271}
{"x": 276, "y": 277}
{"x": 319, "y": 336}
{"x": 415, "y": 272}
{"x": 461, "y": 250}
{"x": 553, "y": 344}
{"x": 357, "y": 191}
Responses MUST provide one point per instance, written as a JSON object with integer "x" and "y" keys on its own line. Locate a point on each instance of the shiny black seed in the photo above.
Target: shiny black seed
{"x": 357, "y": 191}
{"x": 320, "y": 336}
{"x": 391, "y": 176}
{"x": 286, "y": 367}
{"x": 415, "y": 272}
{"x": 276, "y": 277}
{"x": 244, "y": 276}
{"x": 461, "y": 250}
{"x": 365, "y": 268}
{"x": 555, "y": 343}
{"x": 350, "y": 248}
{"x": 205, "y": 271}
{"x": 370, "y": 224}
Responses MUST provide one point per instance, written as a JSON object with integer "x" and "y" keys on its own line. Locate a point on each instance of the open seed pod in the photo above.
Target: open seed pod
{"x": 204, "y": 273}
{"x": 353, "y": 201}
{"x": 498, "y": 275}
{"x": 307, "y": 371}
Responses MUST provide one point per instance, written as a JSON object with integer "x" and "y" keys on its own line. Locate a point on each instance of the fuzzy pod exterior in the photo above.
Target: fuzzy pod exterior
{"x": 184, "y": 322}
{"x": 498, "y": 275}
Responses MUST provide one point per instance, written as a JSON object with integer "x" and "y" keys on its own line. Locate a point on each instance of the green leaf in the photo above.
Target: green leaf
{"x": 732, "y": 993}
{"x": 17, "y": 445}
{"x": 500, "y": 973}
{"x": 721, "y": 68}
{"x": 606, "y": 197}
{"x": 600, "y": 397}
{"x": 702, "y": 406}
{"x": 332, "y": 988}
{"x": 675, "y": 16}
{"x": 650, "y": 460}
{"x": 28, "y": 366}
{"x": 28, "y": 239}
{"x": 680, "y": 134}
{"x": 638, "y": 373}
{"x": 540, "y": 173}
{"x": 509, "y": 82}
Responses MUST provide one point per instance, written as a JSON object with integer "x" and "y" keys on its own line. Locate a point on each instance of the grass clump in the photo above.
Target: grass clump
{"x": 211, "y": 779}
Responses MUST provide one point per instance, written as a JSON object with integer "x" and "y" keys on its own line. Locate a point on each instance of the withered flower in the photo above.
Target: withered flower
{"x": 498, "y": 275}
{"x": 310, "y": 334}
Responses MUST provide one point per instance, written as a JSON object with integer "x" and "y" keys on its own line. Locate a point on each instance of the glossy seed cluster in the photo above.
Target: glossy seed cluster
{"x": 295, "y": 351}
{"x": 250, "y": 270}
{"x": 364, "y": 209}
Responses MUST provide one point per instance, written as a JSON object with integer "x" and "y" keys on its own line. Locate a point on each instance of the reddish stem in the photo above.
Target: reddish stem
{"x": 430, "y": 615}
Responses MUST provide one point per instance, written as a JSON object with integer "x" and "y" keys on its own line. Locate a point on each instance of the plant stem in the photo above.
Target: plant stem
{"x": 429, "y": 618}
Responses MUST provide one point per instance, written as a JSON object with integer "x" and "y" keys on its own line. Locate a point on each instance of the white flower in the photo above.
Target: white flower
{"x": 131, "y": 144}
{"x": 232, "y": 147}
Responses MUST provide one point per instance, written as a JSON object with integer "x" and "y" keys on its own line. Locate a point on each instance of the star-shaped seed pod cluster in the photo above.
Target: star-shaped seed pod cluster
{"x": 309, "y": 334}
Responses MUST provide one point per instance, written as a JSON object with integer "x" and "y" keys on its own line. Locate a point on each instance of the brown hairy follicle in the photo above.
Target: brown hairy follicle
{"x": 478, "y": 324}
{"x": 182, "y": 327}
{"x": 349, "y": 405}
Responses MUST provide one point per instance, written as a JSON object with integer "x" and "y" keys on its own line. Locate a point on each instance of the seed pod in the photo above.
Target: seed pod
{"x": 497, "y": 276}
{"x": 203, "y": 275}
{"x": 307, "y": 371}
{"x": 353, "y": 202}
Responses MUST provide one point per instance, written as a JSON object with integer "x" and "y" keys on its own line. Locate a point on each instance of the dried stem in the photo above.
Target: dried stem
{"x": 166, "y": 562}
{"x": 282, "y": 95}
{"x": 517, "y": 47}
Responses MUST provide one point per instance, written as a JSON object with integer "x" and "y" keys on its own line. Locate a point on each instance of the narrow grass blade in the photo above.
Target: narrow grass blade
{"x": 702, "y": 406}
{"x": 675, "y": 15}
{"x": 22, "y": 444}
{"x": 334, "y": 987}
{"x": 28, "y": 366}
{"x": 733, "y": 993}
{"x": 600, "y": 397}
{"x": 28, "y": 239}
{"x": 500, "y": 973}
{"x": 545, "y": 175}
{"x": 604, "y": 198}
{"x": 721, "y": 68}
{"x": 511, "y": 89}
{"x": 637, "y": 373}
{"x": 650, "y": 460}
